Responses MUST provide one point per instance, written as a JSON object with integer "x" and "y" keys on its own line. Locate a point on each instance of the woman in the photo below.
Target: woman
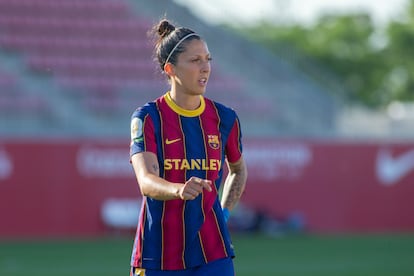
{"x": 179, "y": 145}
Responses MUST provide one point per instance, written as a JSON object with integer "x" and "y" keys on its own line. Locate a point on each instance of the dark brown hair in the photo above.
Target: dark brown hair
{"x": 167, "y": 36}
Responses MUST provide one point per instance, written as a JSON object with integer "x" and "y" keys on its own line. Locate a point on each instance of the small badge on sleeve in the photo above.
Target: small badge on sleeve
{"x": 136, "y": 130}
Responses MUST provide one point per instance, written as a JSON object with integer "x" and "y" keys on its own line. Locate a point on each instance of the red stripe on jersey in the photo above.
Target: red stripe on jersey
{"x": 210, "y": 235}
{"x": 173, "y": 235}
{"x": 149, "y": 136}
{"x": 211, "y": 239}
{"x": 138, "y": 246}
{"x": 233, "y": 150}
{"x": 173, "y": 216}
{"x": 213, "y": 151}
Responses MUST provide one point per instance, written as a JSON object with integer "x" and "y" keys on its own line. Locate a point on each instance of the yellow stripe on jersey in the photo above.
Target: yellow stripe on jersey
{"x": 139, "y": 271}
{"x": 184, "y": 112}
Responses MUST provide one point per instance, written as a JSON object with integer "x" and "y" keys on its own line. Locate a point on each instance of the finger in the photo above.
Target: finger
{"x": 189, "y": 192}
{"x": 196, "y": 180}
{"x": 202, "y": 183}
{"x": 197, "y": 190}
{"x": 206, "y": 184}
{"x": 189, "y": 196}
{"x": 194, "y": 190}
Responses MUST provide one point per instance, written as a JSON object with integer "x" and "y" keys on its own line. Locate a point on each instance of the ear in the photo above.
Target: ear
{"x": 169, "y": 69}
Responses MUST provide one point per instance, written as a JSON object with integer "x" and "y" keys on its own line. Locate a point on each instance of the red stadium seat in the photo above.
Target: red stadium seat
{"x": 95, "y": 45}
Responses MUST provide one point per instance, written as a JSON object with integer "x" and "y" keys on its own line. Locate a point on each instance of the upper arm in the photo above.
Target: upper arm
{"x": 145, "y": 163}
{"x": 147, "y": 172}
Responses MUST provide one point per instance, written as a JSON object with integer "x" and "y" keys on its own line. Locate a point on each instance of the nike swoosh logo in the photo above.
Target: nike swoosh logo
{"x": 167, "y": 142}
{"x": 392, "y": 169}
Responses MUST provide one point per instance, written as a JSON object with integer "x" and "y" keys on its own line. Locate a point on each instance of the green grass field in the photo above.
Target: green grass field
{"x": 256, "y": 255}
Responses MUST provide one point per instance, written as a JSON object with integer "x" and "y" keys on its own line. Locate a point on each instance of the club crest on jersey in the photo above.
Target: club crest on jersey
{"x": 136, "y": 129}
{"x": 213, "y": 141}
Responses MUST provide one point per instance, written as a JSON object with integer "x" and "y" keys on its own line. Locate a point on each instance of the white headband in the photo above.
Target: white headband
{"x": 178, "y": 44}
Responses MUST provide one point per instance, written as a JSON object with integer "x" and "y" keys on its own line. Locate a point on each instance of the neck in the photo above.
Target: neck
{"x": 185, "y": 101}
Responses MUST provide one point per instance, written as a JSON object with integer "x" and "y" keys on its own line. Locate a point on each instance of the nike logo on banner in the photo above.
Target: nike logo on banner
{"x": 392, "y": 169}
{"x": 171, "y": 141}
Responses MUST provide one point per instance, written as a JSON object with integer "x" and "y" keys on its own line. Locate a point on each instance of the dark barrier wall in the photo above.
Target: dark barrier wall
{"x": 58, "y": 188}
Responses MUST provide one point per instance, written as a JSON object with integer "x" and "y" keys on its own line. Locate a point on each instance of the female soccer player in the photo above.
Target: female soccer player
{"x": 179, "y": 145}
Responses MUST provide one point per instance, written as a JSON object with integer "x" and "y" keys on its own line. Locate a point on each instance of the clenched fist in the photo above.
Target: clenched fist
{"x": 193, "y": 187}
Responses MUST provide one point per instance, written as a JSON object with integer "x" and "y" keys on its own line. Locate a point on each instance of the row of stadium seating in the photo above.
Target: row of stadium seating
{"x": 94, "y": 45}
{"x": 97, "y": 57}
{"x": 14, "y": 101}
{"x": 105, "y": 8}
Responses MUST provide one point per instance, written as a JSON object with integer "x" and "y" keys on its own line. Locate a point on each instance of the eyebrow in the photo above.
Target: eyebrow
{"x": 199, "y": 55}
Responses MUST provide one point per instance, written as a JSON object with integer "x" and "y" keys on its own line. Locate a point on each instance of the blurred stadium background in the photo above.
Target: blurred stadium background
{"x": 330, "y": 180}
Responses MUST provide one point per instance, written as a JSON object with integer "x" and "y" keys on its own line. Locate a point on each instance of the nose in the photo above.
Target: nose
{"x": 205, "y": 67}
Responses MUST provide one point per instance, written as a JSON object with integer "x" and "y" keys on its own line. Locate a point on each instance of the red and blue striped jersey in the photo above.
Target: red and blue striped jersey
{"x": 178, "y": 234}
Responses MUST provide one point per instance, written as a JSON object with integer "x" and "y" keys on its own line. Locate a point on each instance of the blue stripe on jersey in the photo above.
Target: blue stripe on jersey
{"x": 226, "y": 116}
{"x": 195, "y": 148}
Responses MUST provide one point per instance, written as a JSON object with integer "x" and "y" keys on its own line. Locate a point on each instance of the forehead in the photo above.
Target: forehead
{"x": 195, "y": 47}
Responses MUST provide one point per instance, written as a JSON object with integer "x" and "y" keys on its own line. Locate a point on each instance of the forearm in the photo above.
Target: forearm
{"x": 234, "y": 185}
{"x": 146, "y": 169}
{"x": 158, "y": 188}
{"x": 147, "y": 173}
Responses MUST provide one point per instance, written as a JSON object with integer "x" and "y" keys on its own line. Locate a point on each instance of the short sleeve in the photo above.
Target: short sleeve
{"x": 142, "y": 133}
{"x": 234, "y": 146}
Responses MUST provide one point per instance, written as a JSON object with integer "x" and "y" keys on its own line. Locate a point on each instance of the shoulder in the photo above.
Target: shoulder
{"x": 226, "y": 116}
{"x": 142, "y": 111}
{"x": 223, "y": 110}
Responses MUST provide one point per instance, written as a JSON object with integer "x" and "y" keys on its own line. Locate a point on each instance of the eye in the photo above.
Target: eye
{"x": 201, "y": 59}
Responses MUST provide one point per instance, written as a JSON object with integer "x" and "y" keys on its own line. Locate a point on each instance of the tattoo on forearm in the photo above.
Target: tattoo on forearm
{"x": 233, "y": 190}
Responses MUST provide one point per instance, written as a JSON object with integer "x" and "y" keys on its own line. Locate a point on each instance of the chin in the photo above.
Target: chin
{"x": 199, "y": 91}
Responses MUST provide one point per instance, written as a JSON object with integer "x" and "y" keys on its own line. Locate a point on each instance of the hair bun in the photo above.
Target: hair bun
{"x": 165, "y": 28}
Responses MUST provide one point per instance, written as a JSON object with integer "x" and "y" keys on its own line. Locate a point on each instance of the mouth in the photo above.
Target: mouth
{"x": 202, "y": 81}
